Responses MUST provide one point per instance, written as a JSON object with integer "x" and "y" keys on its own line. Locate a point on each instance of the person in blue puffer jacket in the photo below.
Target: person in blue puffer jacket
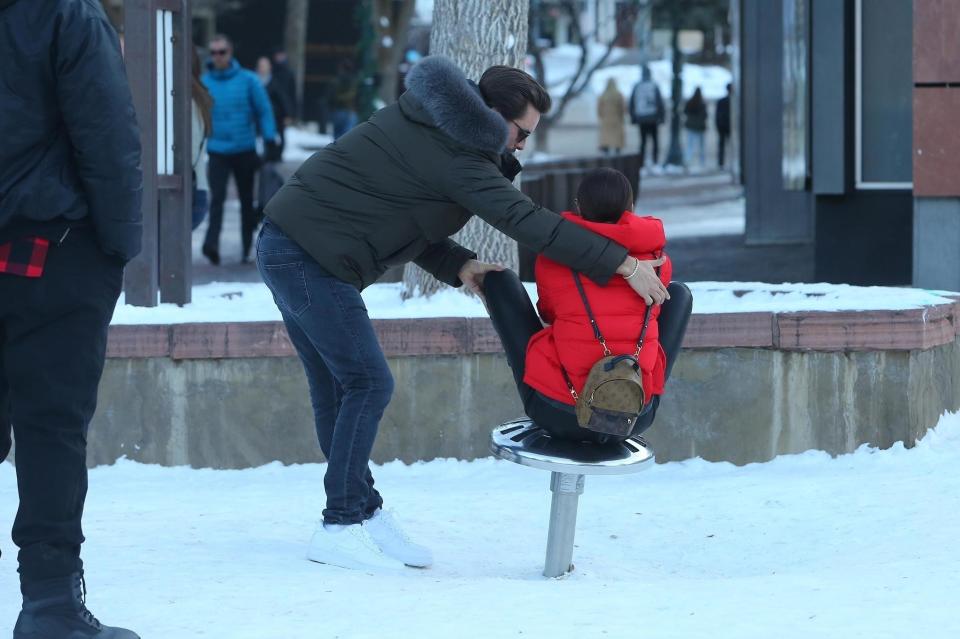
{"x": 240, "y": 107}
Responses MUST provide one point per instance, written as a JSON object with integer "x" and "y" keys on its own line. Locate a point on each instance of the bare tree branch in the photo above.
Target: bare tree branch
{"x": 581, "y": 77}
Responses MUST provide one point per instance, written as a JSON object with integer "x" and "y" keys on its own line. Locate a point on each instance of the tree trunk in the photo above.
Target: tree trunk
{"x": 391, "y": 21}
{"x": 476, "y": 34}
{"x": 295, "y": 42}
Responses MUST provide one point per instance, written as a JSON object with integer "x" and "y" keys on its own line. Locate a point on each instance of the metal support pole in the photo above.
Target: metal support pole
{"x": 566, "y": 488}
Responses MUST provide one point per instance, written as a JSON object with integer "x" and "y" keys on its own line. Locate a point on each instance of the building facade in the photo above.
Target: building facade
{"x": 847, "y": 142}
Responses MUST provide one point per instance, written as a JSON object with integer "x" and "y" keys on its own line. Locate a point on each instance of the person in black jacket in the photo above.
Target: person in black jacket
{"x": 286, "y": 83}
{"x": 280, "y": 103}
{"x": 695, "y": 123}
{"x": 391, "y": 191}
{"x": 722, "y": 120}
{"x": 70, "y": 190}
{"x": 647, "y": 112}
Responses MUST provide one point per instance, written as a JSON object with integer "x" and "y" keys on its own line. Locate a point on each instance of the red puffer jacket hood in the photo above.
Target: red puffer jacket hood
{"x": 619, "y": 311}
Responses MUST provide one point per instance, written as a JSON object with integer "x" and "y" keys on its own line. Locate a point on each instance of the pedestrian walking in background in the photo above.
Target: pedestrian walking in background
{"x": 611, "y": 110}
{"x": 240, "y": 105}
{"x": 70, "y": 190}
{"x": 695, "y": 123}
{"x": 269, "y": 180}
{"x": 647, "y": 112}
{"x": 286, "y": 83}
{"x": 280, "y": 103}
{"x": 722, "y": 120}
{"x": 344, "y": 100}
{"x": 202, "y": 124}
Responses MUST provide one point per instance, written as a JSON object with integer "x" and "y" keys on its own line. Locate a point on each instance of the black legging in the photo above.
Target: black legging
{"x": 516, "y": 321}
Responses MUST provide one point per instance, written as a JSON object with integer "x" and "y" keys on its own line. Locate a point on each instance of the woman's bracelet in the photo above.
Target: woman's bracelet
{"x": 636, "y": 269}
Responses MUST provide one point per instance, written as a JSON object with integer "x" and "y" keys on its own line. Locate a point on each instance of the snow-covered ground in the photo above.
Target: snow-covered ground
{"x": 561, "y": 64}
{"x": 698, "y": 220}
{"x": 252, "y": 302}
{"x": 804, "y": 546}
{"x": 302, "y": 143}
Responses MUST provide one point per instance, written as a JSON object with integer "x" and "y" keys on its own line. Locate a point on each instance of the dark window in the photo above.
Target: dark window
{"x": 886, "y": 91}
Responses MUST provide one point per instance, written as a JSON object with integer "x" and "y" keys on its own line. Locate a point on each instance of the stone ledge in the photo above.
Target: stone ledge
{"x": 901, "y": 330}
{"x": 906, "y": 330}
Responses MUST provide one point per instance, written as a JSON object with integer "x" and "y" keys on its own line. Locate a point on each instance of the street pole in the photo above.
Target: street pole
{"x": 675, "y": 154}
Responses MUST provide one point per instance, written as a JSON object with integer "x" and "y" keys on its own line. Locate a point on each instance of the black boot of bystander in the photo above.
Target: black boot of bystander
{"x": 55, "y": 608}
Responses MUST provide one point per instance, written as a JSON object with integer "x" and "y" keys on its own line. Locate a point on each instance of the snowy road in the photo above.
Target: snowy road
{"x": 804, "y": 546}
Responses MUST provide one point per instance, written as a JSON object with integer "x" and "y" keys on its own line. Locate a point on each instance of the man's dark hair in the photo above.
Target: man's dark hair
{"x": 220, "y": 37}
{"x": 603, "y": 196}
{"x": 510, "y": 90}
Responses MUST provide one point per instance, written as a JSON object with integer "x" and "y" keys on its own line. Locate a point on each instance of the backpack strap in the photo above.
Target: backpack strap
{"x": 566, "y": 378}
{"x": 596, "y": 333}
{"x": 646, "y": 320}
{"x": 596, "y": 328}
{"x": 599, "y": 335}
{"x": 593, "y": 320}
{"x": 643, "y": 331}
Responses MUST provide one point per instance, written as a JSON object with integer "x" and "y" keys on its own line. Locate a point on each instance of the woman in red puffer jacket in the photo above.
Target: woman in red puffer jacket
{"x": 539, "y": 355}
{"x": 604, "y": 201}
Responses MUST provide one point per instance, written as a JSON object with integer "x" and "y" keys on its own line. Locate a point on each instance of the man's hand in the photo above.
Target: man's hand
{"x": 642, "y": 277}
{"x": 471, "y": 274}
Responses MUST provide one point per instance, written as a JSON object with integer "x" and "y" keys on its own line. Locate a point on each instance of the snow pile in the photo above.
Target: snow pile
{"x": 300, "y": 144}
{"x": 862, "y": 545}
{"x": 424, "y": 10}
{"x": 252, "y": 302}
{"x": 746, "y": 297}
{"x": 560, "y": 64}
{"x": 711, "y": 80}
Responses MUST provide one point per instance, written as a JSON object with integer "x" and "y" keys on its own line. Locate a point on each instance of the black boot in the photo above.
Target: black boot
{"x": 211, "y": 254}
{"x": 247, "y": 246}
{"x": 55, "y": 609}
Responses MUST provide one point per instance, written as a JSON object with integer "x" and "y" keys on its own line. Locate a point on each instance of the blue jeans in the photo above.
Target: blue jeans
{"x": 350, "y": 383}
{"x": 343, "y": 121}
{"x": 695, "y": 147}
{"x": 201, "y": 206}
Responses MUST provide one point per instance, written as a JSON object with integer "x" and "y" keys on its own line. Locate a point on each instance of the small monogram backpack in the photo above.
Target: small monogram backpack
{"x": 612, "y": 398}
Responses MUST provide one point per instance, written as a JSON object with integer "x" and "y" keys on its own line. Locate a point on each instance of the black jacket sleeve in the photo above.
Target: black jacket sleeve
{"x": 475, "y": 183}
{"x": 444, "y": 260}
{"x": 97, "y": 109}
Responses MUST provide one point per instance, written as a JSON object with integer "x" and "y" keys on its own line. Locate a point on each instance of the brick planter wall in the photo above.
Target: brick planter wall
{"x": 747, "y": 387}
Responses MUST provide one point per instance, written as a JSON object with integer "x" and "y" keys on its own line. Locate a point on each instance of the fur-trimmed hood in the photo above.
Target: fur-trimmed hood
{"x": 455, "y": 106}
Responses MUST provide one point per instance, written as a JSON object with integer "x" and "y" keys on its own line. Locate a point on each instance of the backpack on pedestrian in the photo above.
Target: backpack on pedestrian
{"x": 646, "y": 105}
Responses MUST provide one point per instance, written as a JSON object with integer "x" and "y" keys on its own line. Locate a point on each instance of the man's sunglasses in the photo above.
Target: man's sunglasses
{"x": 219, "y": 51}
{"x": 522, "y": 133}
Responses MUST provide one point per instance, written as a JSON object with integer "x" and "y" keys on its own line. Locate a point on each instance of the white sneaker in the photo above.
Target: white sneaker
{"x": 394, "y": 542}
{"x": 348, "y": 547}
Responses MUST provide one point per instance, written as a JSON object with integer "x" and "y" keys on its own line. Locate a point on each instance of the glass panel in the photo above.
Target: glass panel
{"x": 887, "y": 91}
{"x": 795, "y": 92}
{"x": 161, "y": 100}
{"x": 168, "y": 89}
